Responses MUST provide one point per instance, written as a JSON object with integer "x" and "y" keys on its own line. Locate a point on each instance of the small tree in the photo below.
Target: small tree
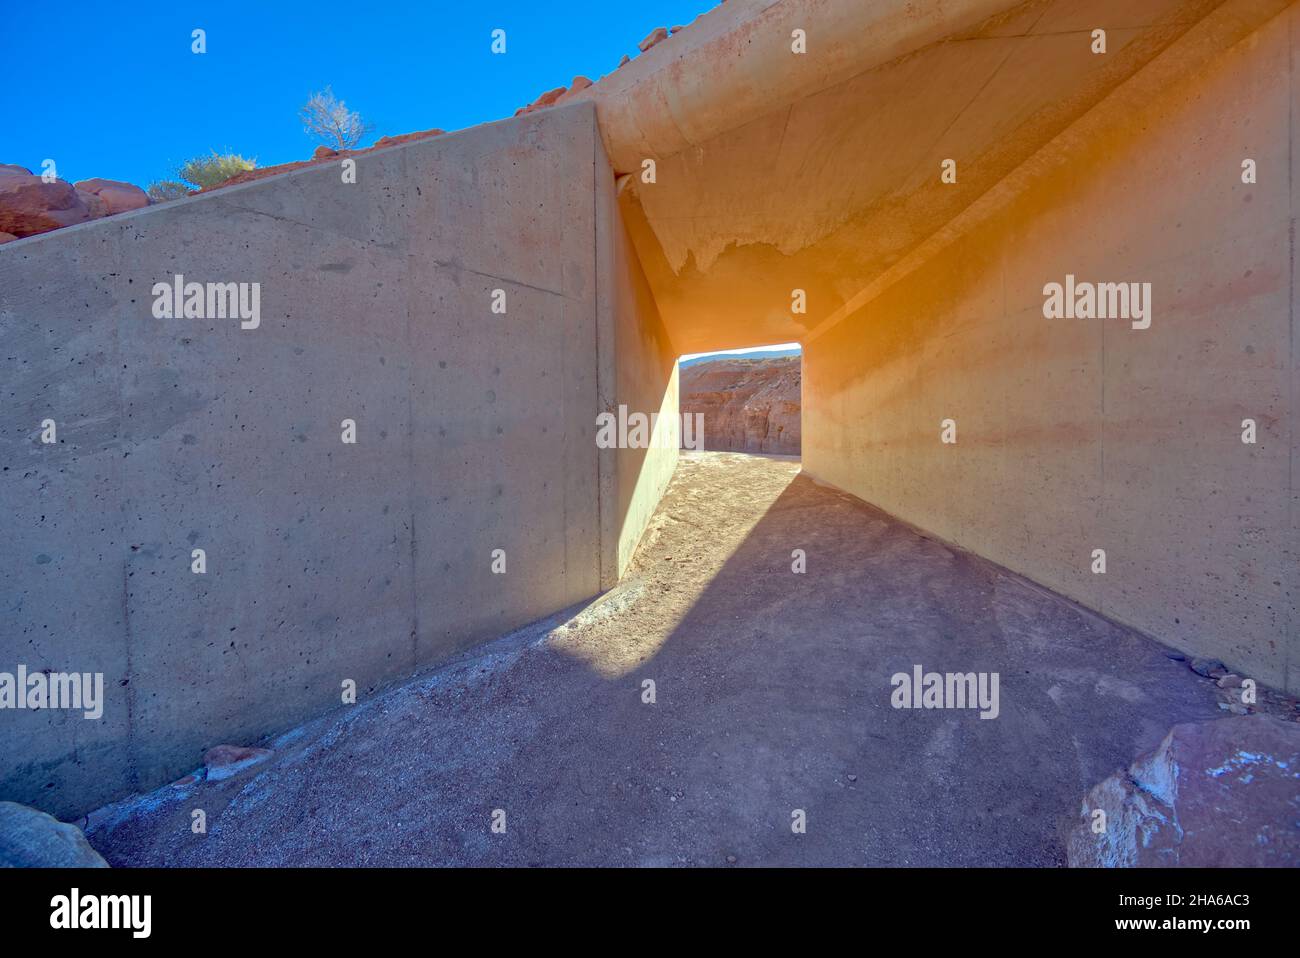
{"x": 329, "y": 120}
{"x": 205, "y": 171}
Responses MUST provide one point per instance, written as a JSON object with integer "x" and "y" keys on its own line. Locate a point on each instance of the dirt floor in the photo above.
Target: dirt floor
{"x": 772, "y": 694}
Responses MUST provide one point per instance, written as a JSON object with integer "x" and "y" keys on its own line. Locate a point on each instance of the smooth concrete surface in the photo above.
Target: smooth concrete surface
{"x": 326, "y": 562}
{"x": 776, "y": 171}
{"x": 772, "y": 693}
{"x": 819, "y": 171}
{"x": 1082, "y": 434}
{"x": 640, "y": 361}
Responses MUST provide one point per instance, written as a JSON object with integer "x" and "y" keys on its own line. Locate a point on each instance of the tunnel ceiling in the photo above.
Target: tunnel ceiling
{"x": 818, "y": 171}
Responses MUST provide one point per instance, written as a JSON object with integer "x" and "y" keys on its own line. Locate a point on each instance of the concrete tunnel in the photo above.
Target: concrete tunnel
{"x": 898, "y": 199}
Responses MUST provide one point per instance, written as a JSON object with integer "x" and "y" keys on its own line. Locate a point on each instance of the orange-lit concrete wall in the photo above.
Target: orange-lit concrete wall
{"x": 1075, "y": 435}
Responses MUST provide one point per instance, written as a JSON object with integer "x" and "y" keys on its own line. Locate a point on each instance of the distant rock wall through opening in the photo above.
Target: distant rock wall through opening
{"x": 749, "y": 405}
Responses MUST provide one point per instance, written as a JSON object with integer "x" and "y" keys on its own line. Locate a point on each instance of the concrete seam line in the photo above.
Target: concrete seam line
{"x": 410, "y": 445}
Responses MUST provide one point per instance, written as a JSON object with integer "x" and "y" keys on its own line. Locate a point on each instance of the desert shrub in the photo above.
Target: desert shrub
{"x": 213, "y": 170}
{"x": 163, "y": 190}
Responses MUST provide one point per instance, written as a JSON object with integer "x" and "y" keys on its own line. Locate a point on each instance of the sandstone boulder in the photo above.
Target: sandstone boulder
{"x": 546, "y": 99}
{"x": 7, "y": 238}
{"x": 1212, "y": 794}
{"x": 32, "y": 839}
{"x": 657, "y": 35}
{"x": 118, "y": 197}
{"x": 579, "y": 84}
{"x": 29, "y": 206}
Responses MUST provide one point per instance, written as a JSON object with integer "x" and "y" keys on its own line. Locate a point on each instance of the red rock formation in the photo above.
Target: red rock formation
{"x": 1211, "y": 795}
{"x": 28, "y": 205}
{"x": 657, "y": 35}
{"x": 119, "y": 197}
{"x": 749, "y": 405}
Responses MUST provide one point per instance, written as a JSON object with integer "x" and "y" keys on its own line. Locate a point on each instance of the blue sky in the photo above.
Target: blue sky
{"x": 778, "y": 348}
{"x": 114, "y": 91}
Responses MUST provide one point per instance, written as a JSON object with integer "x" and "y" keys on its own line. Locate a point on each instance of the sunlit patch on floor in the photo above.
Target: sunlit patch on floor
{"x": 694, "y": 533}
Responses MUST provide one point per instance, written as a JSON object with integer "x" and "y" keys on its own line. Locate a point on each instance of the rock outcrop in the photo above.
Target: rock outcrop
{"x": 561, "y": 94}
{"x": 656, "y": 36}
{"x": 29, "y": 205}
{"x": 749, "y": 405}
{"x": 118, "y": 197}
{"x": 32, "y": 839}
{"x": 1212, "y": 794}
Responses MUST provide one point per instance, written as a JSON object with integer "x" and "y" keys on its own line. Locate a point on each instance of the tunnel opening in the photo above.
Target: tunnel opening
{"x": 973, "y": 460}
{"x": 746, "y": 400}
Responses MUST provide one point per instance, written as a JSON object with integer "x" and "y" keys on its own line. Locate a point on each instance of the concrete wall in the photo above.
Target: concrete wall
{"x": 642, "y": 372}
{"x": 326, "y": 561}
{"x": 817, "y": 172}
{"x": 1076, "y": 434}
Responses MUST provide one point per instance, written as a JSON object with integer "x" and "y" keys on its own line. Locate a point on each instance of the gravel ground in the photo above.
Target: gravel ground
{"x": 772, "y": 696}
